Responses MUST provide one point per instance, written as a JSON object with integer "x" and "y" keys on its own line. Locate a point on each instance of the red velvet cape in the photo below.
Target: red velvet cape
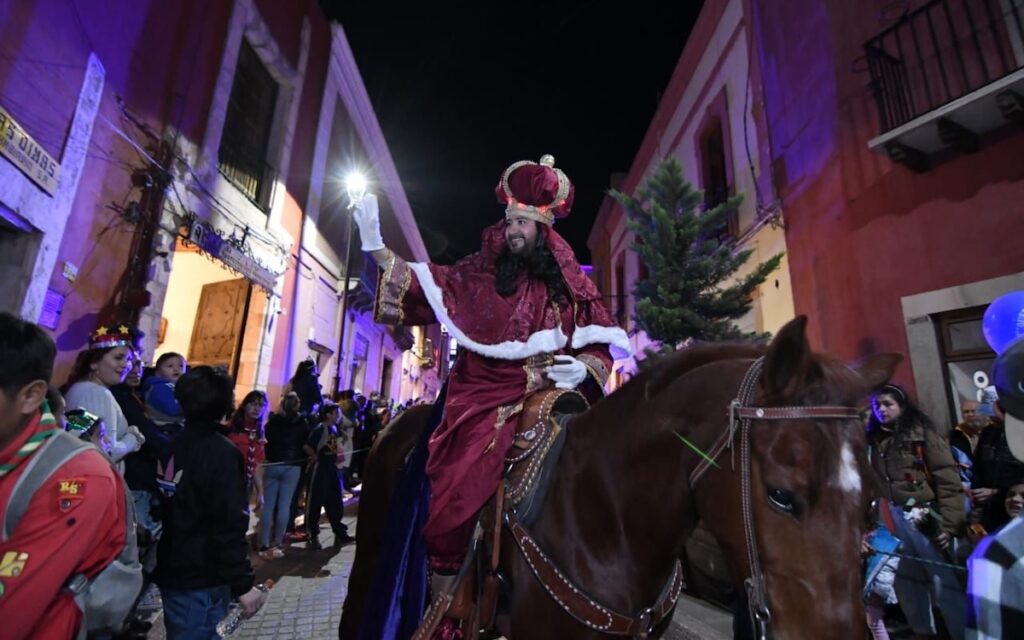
{"x": 507, "y": 341}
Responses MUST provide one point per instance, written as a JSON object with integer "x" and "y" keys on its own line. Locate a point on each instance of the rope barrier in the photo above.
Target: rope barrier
{"x": 301, "y": 460}
{"x": 920, "y": 559}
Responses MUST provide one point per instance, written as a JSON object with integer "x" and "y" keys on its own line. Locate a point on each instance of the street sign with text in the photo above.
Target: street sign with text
{"x": 26, "y": 154}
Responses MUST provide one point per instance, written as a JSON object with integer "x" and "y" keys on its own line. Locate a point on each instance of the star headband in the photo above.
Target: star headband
{"x": 111, "y": 336}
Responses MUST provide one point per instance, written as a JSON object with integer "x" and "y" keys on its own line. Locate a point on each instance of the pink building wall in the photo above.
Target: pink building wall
{"x": 863, "y": 231}
{"x": 879, "y": 252}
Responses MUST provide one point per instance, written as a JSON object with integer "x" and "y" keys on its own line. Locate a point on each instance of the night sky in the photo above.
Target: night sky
{"x": 463, "y": 89}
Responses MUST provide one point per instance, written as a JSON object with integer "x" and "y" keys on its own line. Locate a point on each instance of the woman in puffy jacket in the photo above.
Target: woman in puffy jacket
{"x": 924, "y": 507}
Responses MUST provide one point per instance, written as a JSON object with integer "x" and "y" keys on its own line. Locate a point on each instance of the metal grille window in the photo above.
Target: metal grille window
{"x": 246, "y": 138}
{"x": 940, "y": 52}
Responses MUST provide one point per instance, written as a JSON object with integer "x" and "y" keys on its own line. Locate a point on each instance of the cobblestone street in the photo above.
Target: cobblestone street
{"x": 309, "y": 589}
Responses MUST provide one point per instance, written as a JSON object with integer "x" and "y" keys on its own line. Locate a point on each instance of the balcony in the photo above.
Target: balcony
{"x": 254, "y": 178}
{"x": 945, "y": 75}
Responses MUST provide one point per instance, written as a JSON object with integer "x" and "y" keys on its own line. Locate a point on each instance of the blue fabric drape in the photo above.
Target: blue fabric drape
{"x": 399, "y": 589}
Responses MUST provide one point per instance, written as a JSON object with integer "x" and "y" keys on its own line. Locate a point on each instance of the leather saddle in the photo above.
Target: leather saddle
{"x": 529, "y": 466}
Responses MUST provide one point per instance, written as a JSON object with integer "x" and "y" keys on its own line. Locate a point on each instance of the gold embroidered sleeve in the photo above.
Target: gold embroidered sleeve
{"x": 595, "y": 367}
{"x": 392, "y": 286}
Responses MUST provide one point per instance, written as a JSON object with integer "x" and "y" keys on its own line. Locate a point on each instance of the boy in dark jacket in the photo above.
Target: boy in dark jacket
{"x": 203, "y": 555}
{"x": 322, "y": 447}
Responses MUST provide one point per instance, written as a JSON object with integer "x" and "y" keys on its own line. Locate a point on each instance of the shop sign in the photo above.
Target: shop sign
{"x": 213, "y": 244}
{"x": 26, "y": 154}
{"x": 243, "y": 264}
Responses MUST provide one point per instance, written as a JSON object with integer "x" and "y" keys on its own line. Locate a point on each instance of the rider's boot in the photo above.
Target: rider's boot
{"x": 441, "y": 583}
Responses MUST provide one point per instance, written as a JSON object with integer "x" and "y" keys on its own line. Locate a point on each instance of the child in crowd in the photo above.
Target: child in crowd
{"x": 247, "y": 433}
{"x": 158, "y": 390}
{"x": 325, "y": 485}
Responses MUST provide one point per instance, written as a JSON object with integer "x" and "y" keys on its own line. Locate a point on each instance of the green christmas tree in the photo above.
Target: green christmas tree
{"x": 688, "y": 260}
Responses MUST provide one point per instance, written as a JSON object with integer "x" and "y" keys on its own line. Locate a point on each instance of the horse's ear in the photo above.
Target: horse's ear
{"x": 788, "y": 362}
{"x": 876, "y": 370}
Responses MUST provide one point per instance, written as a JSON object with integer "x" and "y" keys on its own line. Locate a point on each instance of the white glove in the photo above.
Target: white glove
{"x": 567, "y": 372}
{"x": 367, "y": 216}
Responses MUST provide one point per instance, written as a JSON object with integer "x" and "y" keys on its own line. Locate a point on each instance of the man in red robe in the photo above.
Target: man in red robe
{"x": 526, "y": 317}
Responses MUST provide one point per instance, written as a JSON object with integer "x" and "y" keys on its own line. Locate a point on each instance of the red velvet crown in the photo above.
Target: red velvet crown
{"x": 536, "y": 191}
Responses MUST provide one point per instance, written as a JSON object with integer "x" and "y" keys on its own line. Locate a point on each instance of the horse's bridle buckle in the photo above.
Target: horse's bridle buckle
{"x": 645, "y": 620}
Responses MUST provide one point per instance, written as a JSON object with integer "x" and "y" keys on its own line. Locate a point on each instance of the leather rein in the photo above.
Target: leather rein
{"x": 741, "y": 414}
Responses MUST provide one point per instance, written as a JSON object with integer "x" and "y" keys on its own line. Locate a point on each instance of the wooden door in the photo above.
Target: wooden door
{"x": 217, "y": 333}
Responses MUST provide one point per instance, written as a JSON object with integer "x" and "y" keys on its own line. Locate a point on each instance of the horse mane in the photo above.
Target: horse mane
{"x": 660, "y": 373}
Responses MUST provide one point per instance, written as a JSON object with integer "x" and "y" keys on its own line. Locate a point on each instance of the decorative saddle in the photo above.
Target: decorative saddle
{"x": 533, "y": 456}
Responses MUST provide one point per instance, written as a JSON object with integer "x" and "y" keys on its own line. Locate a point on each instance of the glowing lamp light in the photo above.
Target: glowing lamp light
{"x": 1003, "y": 322}
{"x": 355, "y": 188}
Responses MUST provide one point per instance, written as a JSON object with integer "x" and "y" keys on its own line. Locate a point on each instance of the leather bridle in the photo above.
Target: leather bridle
{"x": 741, "y": 414}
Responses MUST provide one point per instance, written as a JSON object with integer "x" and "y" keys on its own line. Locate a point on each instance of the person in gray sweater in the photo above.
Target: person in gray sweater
{"x": 103, "y": 364}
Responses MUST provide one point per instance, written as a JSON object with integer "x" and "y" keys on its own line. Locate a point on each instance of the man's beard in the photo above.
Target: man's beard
{"x": 510, "y": 267}
{"x": 526, "y": 249}
{"x": 527, "y": 260}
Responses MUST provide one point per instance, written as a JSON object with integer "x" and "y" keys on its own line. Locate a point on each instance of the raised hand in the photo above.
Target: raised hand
{"x": 367, "y": 217}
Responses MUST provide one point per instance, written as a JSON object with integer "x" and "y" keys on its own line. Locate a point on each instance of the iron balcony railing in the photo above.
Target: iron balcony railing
{"x": 940, "y": 52}
{"x": 251, "y": 175}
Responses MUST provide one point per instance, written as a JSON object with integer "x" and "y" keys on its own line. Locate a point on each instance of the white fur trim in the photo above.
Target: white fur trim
{"x": 546, "y": 341}
{"x": 596, "y": 334}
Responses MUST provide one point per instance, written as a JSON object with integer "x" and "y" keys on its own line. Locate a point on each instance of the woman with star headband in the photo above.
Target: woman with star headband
{"x": 103, "y": 364}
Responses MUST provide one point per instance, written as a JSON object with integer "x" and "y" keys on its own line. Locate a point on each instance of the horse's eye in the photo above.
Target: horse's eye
{"x": 782, "y": 499}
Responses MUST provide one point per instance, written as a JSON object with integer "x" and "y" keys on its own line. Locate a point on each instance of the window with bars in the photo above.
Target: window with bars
{"x": 715, "y": 175}
{"x": 245, "y": 142}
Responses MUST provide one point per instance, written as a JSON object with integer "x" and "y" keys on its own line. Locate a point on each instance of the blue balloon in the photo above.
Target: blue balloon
{"x": 1004, "y": 320}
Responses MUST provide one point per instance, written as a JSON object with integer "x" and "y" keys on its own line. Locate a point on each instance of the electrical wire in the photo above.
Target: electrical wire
{"x": 224, "y": 209}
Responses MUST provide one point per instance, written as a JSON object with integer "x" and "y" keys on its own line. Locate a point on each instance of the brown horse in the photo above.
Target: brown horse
{"x": 621, "y": 504}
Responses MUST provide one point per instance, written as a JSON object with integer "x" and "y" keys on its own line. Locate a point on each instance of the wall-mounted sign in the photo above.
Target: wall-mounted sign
{"x": 248, "y": 267}
{"x": 53, "y": 304}
{"x": 26, "y": 154}
{"x": 213, "y": 244}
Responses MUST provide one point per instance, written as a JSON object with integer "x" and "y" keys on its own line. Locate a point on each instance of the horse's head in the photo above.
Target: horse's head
{"x": 811, "y": 486}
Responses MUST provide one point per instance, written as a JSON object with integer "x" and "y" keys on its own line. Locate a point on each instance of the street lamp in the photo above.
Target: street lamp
{"x": 355, "y": 188}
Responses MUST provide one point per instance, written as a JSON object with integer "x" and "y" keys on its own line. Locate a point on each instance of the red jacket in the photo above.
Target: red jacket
{"x": 74, "y": 524}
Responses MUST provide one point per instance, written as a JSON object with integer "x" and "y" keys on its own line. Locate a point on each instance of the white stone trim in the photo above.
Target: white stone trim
{"x": 545, "y": 341}
{"x": 50, "y": 213}
{"x": 247, "y": 24}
